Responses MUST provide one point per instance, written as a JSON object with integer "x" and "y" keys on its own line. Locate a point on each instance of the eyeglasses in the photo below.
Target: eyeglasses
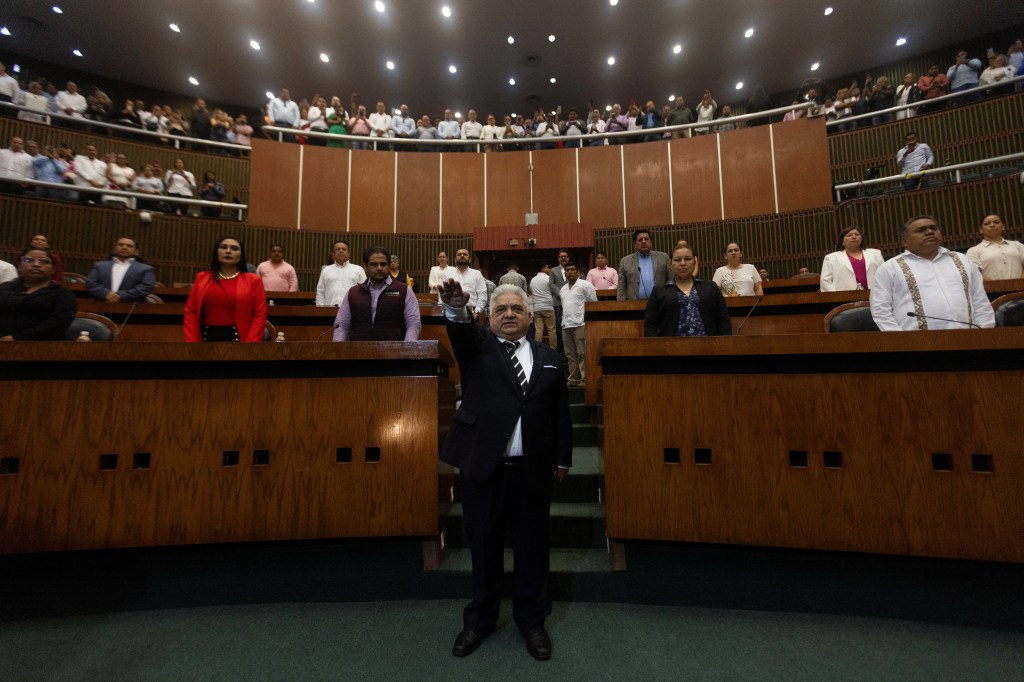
{"x": 29, "y": 260}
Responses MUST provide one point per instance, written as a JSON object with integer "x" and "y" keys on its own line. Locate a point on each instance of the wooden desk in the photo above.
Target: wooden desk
{"x": 897, "y": 443}
{"x": 140, "y": 444}
{"x": 800, "y": 313}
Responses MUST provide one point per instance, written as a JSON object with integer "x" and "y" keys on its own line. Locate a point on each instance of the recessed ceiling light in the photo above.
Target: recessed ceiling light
{"x": 77, "y": 53}
{"x": 452, "y": 69}
{"x": 390, "y": 65}
{"x": 611, "y": 61}
{"x": 607, "y": 107}
{"x": 749, "y": 33}
{"x": 900, "y": 42}
{"x": 739, "y": 86}
{"x": 511, "y": 40}
{"x": 458, "y": 114}
{"x": 828, "y": 11}
{"x": 57, "y": 10}
{"x": 16, "y": 68}
{"x": 379, "y": 6}
{"x": 4, "y": 31}
{"x": 511, "y": 81}
{"x": 814, "y": 66}
{"x": 269, "y": 94}
{"x": 174, "y": 27}
{"x": 193, "y": 80}
{"x": 677, "y": 49}
{"x": 613, "y": 2}
{"x": 254, "y": 44}
{"x": 324, "y": 58}
{"x": 311, "y": 1}
{"x": 553, "y": 80}
{"x": 446, "y": 10}
{"x": 671, "y": 98}
{"x": 551, "y": 38}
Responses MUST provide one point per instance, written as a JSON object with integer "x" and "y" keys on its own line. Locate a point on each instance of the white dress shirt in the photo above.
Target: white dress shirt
{"x": 381, "y": 122}
{"x": 36, "y": 103}
{"x": 16, "y": 165}
{"x": 540, "y": 292}
{"x": 473, "y": 285}
{"x": 471, "y": 130}
{"x": 7, "y": 272}
{"x": 939, "y": 293}
{"x": 118, "y": 271}
{"x": 88, "y": 170}
{"x": 336, "y": 280}
{"x": 574, "y": 301}
{"x": 437, "y": 276}
{"x": 280, "y": 111}
{"x": 998, "y": 260}
{"x": 75, "y": 102}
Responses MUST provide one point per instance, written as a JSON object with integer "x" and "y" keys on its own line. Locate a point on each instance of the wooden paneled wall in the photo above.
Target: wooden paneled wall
{"x": 734, "y": 174}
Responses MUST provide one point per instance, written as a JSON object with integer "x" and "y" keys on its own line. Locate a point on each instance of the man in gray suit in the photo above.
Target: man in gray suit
{"x": 122, "y": 279}
{"x": 556, "y": 282}
{"x": 642, "y": 271}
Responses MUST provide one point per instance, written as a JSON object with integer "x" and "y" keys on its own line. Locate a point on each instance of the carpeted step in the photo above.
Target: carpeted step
{"x": 580, "y": 413}
{"x": 584, "y": 435}
{"x": 573, "y": 525}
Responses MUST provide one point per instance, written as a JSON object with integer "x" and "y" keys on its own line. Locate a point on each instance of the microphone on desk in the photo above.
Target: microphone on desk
{"x": 944, "y": 319}
{"x": 130, "y": 311}
{"x": 748, "y": 314}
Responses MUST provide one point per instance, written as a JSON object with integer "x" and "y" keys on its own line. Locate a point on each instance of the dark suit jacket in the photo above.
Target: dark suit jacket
{"x": 136, "y": 285}
{"x": 662, "y": 315}
{"x": 555, "y": 282}
{"x": 629, "y": 274}
{"x": 492, "y": 402}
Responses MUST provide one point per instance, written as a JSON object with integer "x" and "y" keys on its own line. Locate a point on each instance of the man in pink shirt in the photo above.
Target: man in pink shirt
{"x": 602, "y": 276}
{"x": 276, "y": 274}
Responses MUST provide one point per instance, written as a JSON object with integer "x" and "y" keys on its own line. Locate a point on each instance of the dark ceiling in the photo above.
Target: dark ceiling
{"x": 132, "y": 41}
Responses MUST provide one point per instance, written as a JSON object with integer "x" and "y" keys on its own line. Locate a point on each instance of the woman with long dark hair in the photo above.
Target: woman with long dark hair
{"x": 226, "y": 302}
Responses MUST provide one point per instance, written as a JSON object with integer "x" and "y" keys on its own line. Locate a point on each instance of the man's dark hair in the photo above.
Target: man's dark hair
{"x": 131, "y": 239}
{"x": 637, "y": 233}
{"x": 600, "y": 253}
{"x": 906, "y": 226}
{"x": 275, "y": 246}
{"x": 570, "y": 264}
{"x": 513, "y": 266}
{"x": 376, "y": 249}
{"x": 565, "y": 251}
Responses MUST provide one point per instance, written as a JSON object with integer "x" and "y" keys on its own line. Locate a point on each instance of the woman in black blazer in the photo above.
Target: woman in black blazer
{"x": 689, "y": 306}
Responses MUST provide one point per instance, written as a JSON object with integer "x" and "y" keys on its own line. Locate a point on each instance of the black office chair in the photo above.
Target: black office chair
{"x": 269, "y": 332}
{"x": 851, "y": 317}
{"x": 1009, "y": 310}
{"x": 100, "y": 328}
{"x": 74, "y": 278}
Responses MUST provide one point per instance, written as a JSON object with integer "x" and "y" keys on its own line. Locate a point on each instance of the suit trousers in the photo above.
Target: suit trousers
{"x": 544, "y": 322}
{"x": 575, "y": 352}
{"x": 490, "y": 507}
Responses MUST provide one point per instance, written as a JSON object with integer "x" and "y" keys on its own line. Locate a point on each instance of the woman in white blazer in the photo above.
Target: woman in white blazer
{"x": 852, "y": 267}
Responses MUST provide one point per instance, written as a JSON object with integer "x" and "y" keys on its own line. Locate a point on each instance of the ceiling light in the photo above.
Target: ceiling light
{"x": 458, "y": 114}
{"x": 193, "y": 80}
{"x": 269, "y": 94}
{"x": 16, "y": 68}
{"x": 174, "y": 27}
{"x": 390, "y": 65}
{"x": 551, "y": 38}
{"x": 900, "y": 42}
{"x": 254, "y": 45}
{"x": 739, "y": 86}
{"x": 57, "y": 10}
{"x": 452, "y": 69}
{"x": 396, "y": 112}
{"x": 553, "y": 80}
{"x": 611, "y": 61}
{"x": 814, "y": 66}
{"x": 511, "y": 40}
{"x": 749, "y": 33}
{"x": 677, "y": 49}
{"x": 513, "y": 114}
{"x": 311, "y": 1}
{"x": 77, "y": 53}
{"x": 613, "y": 2}
{"x": 828, "y": 11}
{"x": 5, "y": 31}
{"x": 379, "y": 6}
{"x": 607, "y": 107}
{"x": 446, "y": 10}
{"x": 671, "y": 98}
{"x": 324, "y": 58}
{"x": 511, "y": 81}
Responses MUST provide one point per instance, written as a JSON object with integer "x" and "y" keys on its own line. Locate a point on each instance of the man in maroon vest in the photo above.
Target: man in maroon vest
{"x": 379, "y": 309}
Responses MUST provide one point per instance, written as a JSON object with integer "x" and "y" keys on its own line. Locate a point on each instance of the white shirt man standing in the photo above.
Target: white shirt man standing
{"x": 338, "y": 277}
{"x": 70, "y": 102}
{"x": 472, "y": 281}
{"x": 574, "y": 294}
{"x": 15, "y": 162}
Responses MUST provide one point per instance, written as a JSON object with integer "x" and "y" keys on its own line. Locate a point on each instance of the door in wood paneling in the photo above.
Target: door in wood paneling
{"x": 274, "y": 184}
{"x": 647, "y": 192}
{"x": 462, "y": 200}
{"x": 601, "y": 186}
{"x": 695, "y": 188}
{"x": 747, "y": 172}
{"x": 802, "y": 169}
{"x": 554, "y": 185}
{"x": 418, "y": 187}
{"x": 373, "y": 192}
{"x": 324, "y": 188}
{"x": 508, "y": 187}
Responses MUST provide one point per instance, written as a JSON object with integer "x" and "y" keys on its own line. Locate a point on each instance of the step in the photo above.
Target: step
{"x": 577, "y": 395}
{"x": 578, "y": 525}
{"x": 584, "y": 435}
{"x": 580, "y": 485}
{"x": 579, "y": 413}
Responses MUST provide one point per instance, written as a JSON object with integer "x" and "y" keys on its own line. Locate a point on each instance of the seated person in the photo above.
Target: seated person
{"x": 122, "y": 279}
{"x": 688, "y": 306}
{"x": 33, "y": 307}
{"x": 380, "y": 308}
{"x": 928, "y": 286}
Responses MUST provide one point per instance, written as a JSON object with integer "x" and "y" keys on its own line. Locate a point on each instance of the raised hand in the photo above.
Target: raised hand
{"x": 452, "y": 294}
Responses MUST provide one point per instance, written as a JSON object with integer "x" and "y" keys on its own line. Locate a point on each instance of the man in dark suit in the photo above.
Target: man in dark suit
{"x": 122, "y": 279}
{"x": 511, "y": 439}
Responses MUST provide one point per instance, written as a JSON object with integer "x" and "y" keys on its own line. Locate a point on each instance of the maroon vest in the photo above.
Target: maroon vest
{"x": 389, "y": 324}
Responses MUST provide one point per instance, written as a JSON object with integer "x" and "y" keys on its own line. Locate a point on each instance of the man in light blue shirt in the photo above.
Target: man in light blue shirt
{"x": 404, "y": 127}
{"x": 963, "y": 76}
{"x": 449, "y": 129}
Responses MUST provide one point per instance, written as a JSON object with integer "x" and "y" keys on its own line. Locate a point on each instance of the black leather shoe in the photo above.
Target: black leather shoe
{"x": 538, "y": 643}
{"x": 467, "y": 642}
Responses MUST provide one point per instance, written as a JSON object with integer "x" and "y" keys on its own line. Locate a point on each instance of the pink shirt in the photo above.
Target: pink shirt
{"x": 860, "y": 270}
{"x": 278, "y": 278}
{"x": 603, "y": 278}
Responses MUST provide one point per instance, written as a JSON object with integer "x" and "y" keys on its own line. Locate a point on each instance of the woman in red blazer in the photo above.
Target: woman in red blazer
{"x": 226, "y": 303}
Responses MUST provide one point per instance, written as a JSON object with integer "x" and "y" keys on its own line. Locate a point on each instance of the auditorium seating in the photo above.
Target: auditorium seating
{"x": 1010, "y": 310}
{"x": 100, "y": 328}
{"x": 851, "y": 317}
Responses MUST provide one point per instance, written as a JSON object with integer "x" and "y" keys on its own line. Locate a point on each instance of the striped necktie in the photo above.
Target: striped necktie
{"x": 511, "y": 347}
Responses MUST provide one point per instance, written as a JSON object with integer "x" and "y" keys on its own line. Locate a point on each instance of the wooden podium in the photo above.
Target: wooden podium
{"x": 897, "y": 443}
{"x": 139, "y": 444}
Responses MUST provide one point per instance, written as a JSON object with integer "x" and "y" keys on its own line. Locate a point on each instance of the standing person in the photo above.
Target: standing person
{"x": 511, "y": 439}
{"x": 283, "y": 112}
{"x": 472, "y": 280}
{"x": 737, "y": 278}
{"x": 688, "y": 306}
{"x": 211, "y": 191}
{"x": 277, "y": 275}
{"x": 543, "y": 307}
{"x": 338, "y": 277}
{"x": 914, "y": 158}
{"x": 33, "y": 307}
{"x": 512, "y": 276}
{"x": 643, "y": 270}
{"x": 397, "y": 273}
{"x": 852, "y": 267}
{"x": 997, "y": 258}
{"x": 226, "y": 303}
{"x": 380, "y": 309}
{"x": 963, "y": 75}
{"x": 601, "y": 276}
{"x": 439, "y": 273}
{"x": 575, "y": 294}
{"x": 179, "y": 182}
{"x": 557, "y": 275}
{"x": 122, "y": 278}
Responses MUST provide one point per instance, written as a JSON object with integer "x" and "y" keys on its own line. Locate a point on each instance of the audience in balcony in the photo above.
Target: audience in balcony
{"x": 35, "y": 99}
{"x": 912, "y": 158}
{"x": 8, "y": 88}
{"x": 360, "y": 125}
{"x": 179, "y": 182}
{"x": 316, "y": 119}
{"x": 997, "y": 258}
{"x": 211, "y": 191}
{"x": 243, "y": 131}
{"x": 148, "y": 183}
{"x": 963, "y": 75}
{"x": 15, "y": 164}
{"x": 50, "y": 167}
{"x": 906, "y": 93}
{"x": 997, "y": 72}
{"x": 70, "y": 102}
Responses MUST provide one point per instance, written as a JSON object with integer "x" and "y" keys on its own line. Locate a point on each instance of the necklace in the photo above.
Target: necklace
{"x": 223, "y": 276}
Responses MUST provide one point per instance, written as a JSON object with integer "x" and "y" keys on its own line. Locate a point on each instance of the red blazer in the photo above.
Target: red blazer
{"x": 250, "y": 308}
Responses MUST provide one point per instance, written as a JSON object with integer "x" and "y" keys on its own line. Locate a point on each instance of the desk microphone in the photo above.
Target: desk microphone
{"x": 130, "y": 311}
{"x": 944, "y": 319}
{"x": 748, "y": 314}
